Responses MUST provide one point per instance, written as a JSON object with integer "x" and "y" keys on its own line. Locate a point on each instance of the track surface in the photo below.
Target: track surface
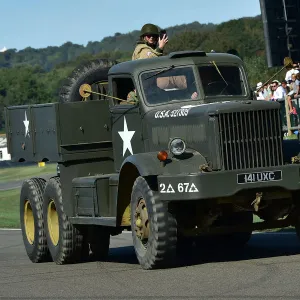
{"x": 268, "y": 268}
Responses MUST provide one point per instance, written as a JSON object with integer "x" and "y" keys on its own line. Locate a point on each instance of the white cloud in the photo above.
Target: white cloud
{"x": 3, "y": 49}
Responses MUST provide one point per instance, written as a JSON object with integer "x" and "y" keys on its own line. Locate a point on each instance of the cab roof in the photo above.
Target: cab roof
{"x": 174, "y": 58}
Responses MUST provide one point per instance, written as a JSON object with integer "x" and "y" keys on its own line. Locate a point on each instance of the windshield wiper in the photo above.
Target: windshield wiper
{"x": 160, "y": 72}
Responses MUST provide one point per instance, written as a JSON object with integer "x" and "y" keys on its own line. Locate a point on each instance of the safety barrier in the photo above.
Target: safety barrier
{"x": 290, "y": 122}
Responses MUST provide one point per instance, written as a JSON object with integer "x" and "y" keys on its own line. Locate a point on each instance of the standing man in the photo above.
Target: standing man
{"x": 150, "y": 43}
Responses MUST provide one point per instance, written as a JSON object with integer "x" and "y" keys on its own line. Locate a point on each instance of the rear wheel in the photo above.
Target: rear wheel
{"x": 31, "y": 219}
{"x": 65, "y": 242}
{"x": 154, "y": 228}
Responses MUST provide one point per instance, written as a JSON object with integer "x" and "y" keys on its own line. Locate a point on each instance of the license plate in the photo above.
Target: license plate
{"x": 265, "y": 176}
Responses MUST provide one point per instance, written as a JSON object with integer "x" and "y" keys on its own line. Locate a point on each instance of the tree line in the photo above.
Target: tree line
{"x": 35, "y": 75}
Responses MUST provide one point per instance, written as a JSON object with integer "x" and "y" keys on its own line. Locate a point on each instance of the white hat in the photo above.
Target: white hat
{"x": 259, "y": 85}
{"x": 277, "y": 81}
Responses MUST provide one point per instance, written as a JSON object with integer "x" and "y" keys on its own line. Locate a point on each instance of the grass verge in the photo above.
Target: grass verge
{"x": 9, "y": 208}
{"x": 256, "y": 219}
{"x": 20, "y": 173}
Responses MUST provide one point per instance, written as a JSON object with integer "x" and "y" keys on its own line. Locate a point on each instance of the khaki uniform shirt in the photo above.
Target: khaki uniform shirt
{"x": 142, "y": 50}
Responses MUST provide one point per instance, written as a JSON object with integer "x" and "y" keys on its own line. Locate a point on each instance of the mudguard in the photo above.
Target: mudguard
{"x": 148, "y": 164}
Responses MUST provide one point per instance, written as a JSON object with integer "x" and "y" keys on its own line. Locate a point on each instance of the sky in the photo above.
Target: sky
{"x": 43, "y": 23}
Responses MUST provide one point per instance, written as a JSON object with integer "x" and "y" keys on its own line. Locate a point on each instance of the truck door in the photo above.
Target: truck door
{"x": 125, "y": 122}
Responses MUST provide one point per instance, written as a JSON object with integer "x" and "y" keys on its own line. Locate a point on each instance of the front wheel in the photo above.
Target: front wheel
{"x": 154, "y": 229}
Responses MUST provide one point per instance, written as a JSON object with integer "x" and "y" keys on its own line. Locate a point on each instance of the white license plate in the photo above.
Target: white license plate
{"x": 265, "y": 176}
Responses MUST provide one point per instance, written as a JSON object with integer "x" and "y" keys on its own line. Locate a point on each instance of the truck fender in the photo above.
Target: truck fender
{"x": 148, "y": 166}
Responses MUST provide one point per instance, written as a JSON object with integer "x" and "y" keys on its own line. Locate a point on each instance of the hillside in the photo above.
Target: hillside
{"x": 48, "y": 58}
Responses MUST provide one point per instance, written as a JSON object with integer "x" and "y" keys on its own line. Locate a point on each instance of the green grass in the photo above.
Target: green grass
{"x": 20, "y": 173}
{"x": 256, "y": 219}
{"x": 291, "y": 137}
{"x": 9, "y": 199}
{"x": 9, "y": 209}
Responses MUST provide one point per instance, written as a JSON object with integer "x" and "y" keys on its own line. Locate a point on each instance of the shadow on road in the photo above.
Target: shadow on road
{"x": 263, "y": 245}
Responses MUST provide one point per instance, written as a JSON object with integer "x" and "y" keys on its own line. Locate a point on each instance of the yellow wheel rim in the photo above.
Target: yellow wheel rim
{"x": 52, "y": 220}
{"x": 142, "y": 222}
{"x": 29, "y": 222}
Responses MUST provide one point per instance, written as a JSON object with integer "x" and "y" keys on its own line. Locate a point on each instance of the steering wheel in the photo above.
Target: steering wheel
{"x": 220, "y": 88}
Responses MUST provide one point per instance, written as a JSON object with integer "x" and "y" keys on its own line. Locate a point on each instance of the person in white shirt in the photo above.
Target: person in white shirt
{"x": 260, "y": 92}
{"x": 278, "y": 91}
{"x": 295, "y": 91}
{"x": 290, "y": 72}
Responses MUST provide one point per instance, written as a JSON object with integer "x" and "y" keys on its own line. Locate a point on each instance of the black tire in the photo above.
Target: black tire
{"x": 31, "y": 204}
{"x": 99, "y": 244}
{"x": 160, "y": 250}
{"x": 88, "y": 72}
{"x": 65, "y": 242}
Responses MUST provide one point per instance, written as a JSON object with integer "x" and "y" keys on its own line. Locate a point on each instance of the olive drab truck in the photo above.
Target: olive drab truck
{"x": 189, "y": 164}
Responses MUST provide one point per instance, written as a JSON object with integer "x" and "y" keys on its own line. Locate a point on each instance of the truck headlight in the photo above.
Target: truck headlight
{"x": 177, "y": 146}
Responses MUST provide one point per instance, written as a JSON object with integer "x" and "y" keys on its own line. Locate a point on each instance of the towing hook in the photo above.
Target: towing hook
{"x": 205, "y": 168}
{"x": 256, "y": 202}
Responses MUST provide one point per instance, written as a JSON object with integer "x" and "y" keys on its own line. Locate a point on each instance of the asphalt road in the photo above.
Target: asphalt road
{"x": 268, "y": 268}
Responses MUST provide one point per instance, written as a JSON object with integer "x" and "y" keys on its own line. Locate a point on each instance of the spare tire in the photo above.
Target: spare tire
{"x": 89, "y": 72}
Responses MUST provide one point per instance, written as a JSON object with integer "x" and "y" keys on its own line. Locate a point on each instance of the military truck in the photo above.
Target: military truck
{"x": 188, "y": 164}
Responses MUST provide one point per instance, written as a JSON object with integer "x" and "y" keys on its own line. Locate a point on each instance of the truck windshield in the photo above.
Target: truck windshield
{"x": 172, "y": 84}
{"x": 222, "y": 80}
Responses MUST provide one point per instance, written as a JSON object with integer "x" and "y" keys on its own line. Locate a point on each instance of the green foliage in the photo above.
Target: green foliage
{"x": 257, "y": 70}
{"x": 188, "y": 40}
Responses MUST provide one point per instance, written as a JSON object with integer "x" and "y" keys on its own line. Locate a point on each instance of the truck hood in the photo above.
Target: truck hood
{"x": 208, "y": 109}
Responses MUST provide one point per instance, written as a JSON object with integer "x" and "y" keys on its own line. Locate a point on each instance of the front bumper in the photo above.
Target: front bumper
{"x": 226, "y": 183}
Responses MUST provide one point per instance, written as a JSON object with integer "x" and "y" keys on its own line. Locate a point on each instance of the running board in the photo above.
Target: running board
{"x": 104, "y": 221}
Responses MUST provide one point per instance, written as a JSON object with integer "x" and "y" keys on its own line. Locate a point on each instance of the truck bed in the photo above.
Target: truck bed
{"x": 58, "y": 132}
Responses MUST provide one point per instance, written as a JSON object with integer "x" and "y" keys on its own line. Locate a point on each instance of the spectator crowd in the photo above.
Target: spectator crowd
{"x": 287, "y": 89}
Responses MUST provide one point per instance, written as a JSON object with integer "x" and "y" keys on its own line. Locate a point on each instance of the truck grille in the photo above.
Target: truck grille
{"x": 250, "y": 139}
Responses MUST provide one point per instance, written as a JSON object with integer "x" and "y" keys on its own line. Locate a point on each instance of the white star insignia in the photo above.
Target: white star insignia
{"x": 126, "y": 137}
{"x": 26, "y": 123}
